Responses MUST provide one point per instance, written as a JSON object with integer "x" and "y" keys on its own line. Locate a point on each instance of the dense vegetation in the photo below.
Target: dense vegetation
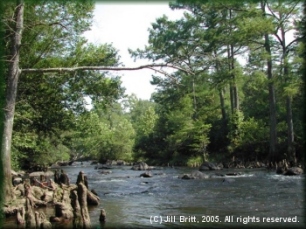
{"x": 243, "y": 96}
{"x": 240, "y": 96}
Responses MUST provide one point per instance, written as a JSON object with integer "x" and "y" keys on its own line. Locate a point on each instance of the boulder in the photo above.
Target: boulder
{"x": 204, "y": 168}
{"x": 140, "y": 166}
{"x": 187, "y": 177}
{"x": 121, "y": 162}
{"x": 146, "y": 174}
{"x": 208, "y": 166}
{"x": 293, "y": 171}
{"x": 233, "y": 174}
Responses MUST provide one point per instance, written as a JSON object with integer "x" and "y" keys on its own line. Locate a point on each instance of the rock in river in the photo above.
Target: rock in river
{"x": 146, "y": 174}
{"x": 195, "y": 175}
{"x": 140, "y": 166}
{"x": 294, "y": 171}
{"x": 208, "y": 166}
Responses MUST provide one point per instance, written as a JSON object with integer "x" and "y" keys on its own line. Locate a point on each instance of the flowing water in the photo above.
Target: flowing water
{"x": 255, "y": 198}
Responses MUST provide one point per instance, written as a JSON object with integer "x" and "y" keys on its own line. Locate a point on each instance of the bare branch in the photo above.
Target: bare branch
{"x": 166, "y": 74}
{"x": 295, "y": 40}
{"x": 100, "y": 68}
{"x": 48, "y": 24}
{"x": 279, "y": 39}
{"x": 274, "y": 15}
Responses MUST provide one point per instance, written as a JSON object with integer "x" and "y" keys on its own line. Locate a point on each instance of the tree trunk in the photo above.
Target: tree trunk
{"x": 9, "y": 109}
{"x": 231, "y": 66}
{"x": 291, "y": 148}
{"x": 221, "y": 94}
{"x": 194, "y": 95}
{"x": 272, "y": 157}
{"x": 234, "y": 86}
{"x": 290, "y": 131}
{"x": 290, "y": 137}
{"x": 272, "y": 104}
{"x": 231, "y": 86}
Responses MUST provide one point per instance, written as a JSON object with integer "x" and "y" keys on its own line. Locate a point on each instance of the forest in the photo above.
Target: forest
{"x": 237, "y": 93}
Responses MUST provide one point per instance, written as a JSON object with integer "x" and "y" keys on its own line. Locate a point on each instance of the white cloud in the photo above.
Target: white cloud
{"x": 126, "y": 26}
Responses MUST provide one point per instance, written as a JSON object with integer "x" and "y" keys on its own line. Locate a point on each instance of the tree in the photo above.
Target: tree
{"x": 208, "y": 41}
{"x": 275, "y": 22}
{"x": 11, "y": 91}
{"x": 142, "y": 115}
{"x": 284, "y": 16}
{"x": 104, "y": 133}
{"x": 50, "y": 105}
{"x": 15, "y": 69}
{"x": 2, "y": 102}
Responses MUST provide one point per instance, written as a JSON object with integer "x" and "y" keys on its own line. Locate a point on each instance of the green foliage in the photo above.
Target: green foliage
{"x": 104, "y": 134}
{"x": 48, "y": 104}
{"x": 248, "y": 136}
{"x": 225, "y": 108}
{"x": 194, "y": 161}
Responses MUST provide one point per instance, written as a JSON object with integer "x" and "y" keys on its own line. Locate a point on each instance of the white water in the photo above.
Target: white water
{"x": 134, "y": 202}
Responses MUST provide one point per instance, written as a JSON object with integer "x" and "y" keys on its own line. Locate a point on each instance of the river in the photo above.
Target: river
{"x": 255, "y": 198}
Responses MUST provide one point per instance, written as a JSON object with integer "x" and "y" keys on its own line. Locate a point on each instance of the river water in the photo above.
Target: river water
{"x": 256, "y": 198}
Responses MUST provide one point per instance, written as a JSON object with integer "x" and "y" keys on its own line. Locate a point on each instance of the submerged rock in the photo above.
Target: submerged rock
{"x": 199, "y": 175}
{"x": 105, "y": 172}
{"x": 104, "y": 167}
{"x": 228, "y": 180}
{"x": 194, "y": 175}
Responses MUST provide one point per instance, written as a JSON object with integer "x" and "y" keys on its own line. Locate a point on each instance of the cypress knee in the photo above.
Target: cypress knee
{"x": 102, "y": 215}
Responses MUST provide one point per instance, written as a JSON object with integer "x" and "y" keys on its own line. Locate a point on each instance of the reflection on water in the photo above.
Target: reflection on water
{"x": 166, "y": 201}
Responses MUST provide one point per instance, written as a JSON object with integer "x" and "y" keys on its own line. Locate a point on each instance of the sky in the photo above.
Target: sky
{"x": 126, "y": 26}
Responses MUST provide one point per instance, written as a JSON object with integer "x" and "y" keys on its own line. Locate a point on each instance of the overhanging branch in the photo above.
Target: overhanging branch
{"x": 100, "y": 68}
